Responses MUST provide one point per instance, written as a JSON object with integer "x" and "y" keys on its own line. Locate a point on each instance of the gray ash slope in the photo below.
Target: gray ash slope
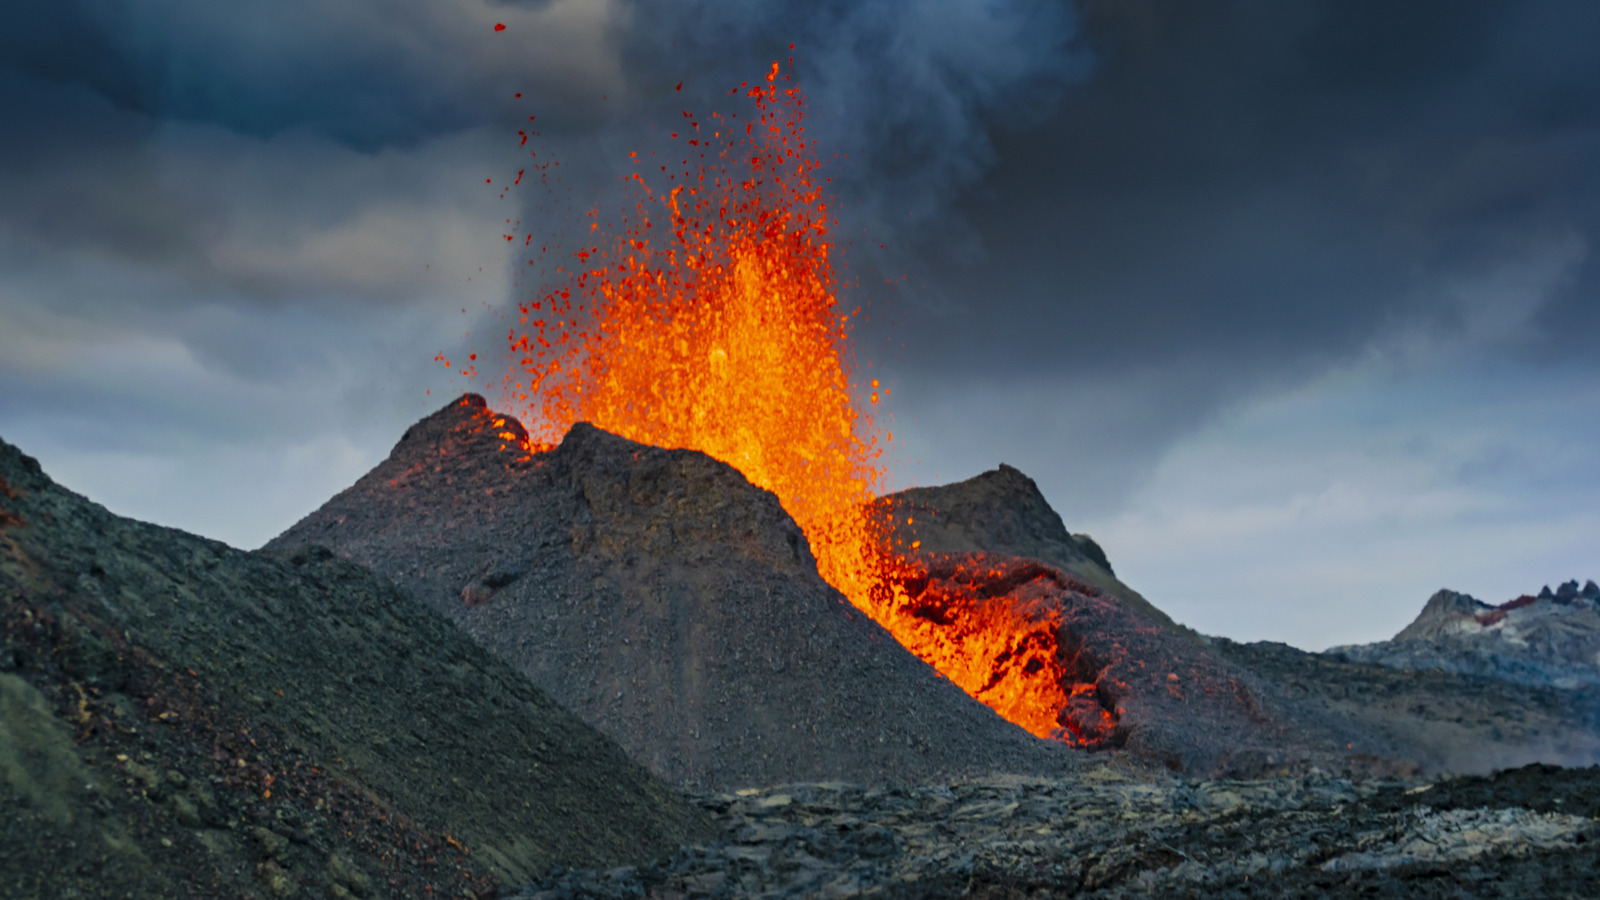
{"x": 1551, "y": 639}
{"x": 1443, "y": 722}
{"x": 180, "y": 718}
{"x": 665, "y": 599}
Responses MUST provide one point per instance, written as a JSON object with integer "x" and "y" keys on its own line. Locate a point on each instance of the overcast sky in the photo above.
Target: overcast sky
{"x": 1293, "y": 305}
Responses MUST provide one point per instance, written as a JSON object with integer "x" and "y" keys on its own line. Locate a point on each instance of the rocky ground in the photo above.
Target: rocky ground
{"x": 1118, "y": 832}
{"x": 182, "y": 719}
{"x": 1448, "y": 722}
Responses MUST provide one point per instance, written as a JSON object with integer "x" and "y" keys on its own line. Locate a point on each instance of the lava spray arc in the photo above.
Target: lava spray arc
{"x": 712, "y": 323}
{"x": 709, "y": 320}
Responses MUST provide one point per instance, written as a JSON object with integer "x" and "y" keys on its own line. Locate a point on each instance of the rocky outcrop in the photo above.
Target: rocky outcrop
{"x": 665, "y": 599}
{"x": 1444, "y": 613}
{"x": 1002, "y": 512}
{"x": 180, "y": 718}
{"x": 1552, "y": 639}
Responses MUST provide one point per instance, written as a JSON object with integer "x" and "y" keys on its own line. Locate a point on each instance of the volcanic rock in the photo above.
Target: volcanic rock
{"x": 1549, "y": 640}
{"x": 1446, "y": 611}
{"x": 1527, "y": 832}
{"x": 1166, "y": 694}
{"x": 1137, "y": 685}
{"x": 665, "y": 599}
{"x": 1002, "y": 512}
{"x": 676, "y": 607}
{"x": 1444, "y": 722}
{"x": 179, "y": 718}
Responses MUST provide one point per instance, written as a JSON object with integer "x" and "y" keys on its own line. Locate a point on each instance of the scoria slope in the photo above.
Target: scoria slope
{"x": 1002, "y": 511}
{"x": 665, "y": 599}
{"x": 1210, "y": 705}
{"x": 179, "y": 718}
{"x": 992, "y": 542}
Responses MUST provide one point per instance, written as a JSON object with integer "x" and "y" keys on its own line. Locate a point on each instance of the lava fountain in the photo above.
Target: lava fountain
{"x": 710, "y": 320}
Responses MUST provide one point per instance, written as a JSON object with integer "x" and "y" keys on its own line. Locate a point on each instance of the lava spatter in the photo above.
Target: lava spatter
{"x": 712, "y": 322}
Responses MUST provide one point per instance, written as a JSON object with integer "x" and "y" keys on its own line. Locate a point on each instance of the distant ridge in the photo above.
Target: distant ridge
{"x": 1552, "y": 638}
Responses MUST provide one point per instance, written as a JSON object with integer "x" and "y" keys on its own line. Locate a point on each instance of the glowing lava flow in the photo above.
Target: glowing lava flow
{"x": 712, "y": 323}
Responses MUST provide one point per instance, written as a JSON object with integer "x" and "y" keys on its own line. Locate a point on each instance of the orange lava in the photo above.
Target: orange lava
{"x": 711, "y": 322}
{"x": 992, "y": 625}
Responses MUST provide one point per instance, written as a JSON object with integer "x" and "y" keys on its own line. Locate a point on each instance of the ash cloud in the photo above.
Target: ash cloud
{"x": 1271, "y": 182}
{"x": 908, "y": 90}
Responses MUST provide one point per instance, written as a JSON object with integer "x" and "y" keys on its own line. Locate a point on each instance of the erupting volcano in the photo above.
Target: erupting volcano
{"x": 712, "y": 322}
{"x": 720, "y": 330}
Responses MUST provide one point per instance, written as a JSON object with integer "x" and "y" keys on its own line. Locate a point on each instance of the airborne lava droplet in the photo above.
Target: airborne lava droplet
{"x": 721, "y": 331}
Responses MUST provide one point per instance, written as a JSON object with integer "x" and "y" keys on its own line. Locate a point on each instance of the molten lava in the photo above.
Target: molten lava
{"x": 992, "y": 625}
{"x": 711, "y": 322}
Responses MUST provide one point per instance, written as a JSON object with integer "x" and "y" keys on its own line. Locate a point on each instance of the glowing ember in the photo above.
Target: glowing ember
{"x": 712, "y": 323}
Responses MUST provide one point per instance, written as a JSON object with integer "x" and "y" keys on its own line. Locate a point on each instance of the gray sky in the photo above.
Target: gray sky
{"x": 1293, "y": 305}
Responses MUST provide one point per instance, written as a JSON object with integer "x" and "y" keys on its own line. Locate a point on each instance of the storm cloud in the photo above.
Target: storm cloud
{"x": 1253, "y": 289}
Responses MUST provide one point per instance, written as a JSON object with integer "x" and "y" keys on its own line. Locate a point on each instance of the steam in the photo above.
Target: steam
{"x": 909, "y": 90}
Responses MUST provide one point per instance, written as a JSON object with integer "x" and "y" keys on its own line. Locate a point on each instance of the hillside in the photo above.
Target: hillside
{"x": 665, "y": 599}
{"x": 180, "y": 718}
{"x": 677, "y": 608}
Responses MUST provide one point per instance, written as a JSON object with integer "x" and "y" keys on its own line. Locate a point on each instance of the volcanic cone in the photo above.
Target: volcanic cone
{"x": 666, "y": 600}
